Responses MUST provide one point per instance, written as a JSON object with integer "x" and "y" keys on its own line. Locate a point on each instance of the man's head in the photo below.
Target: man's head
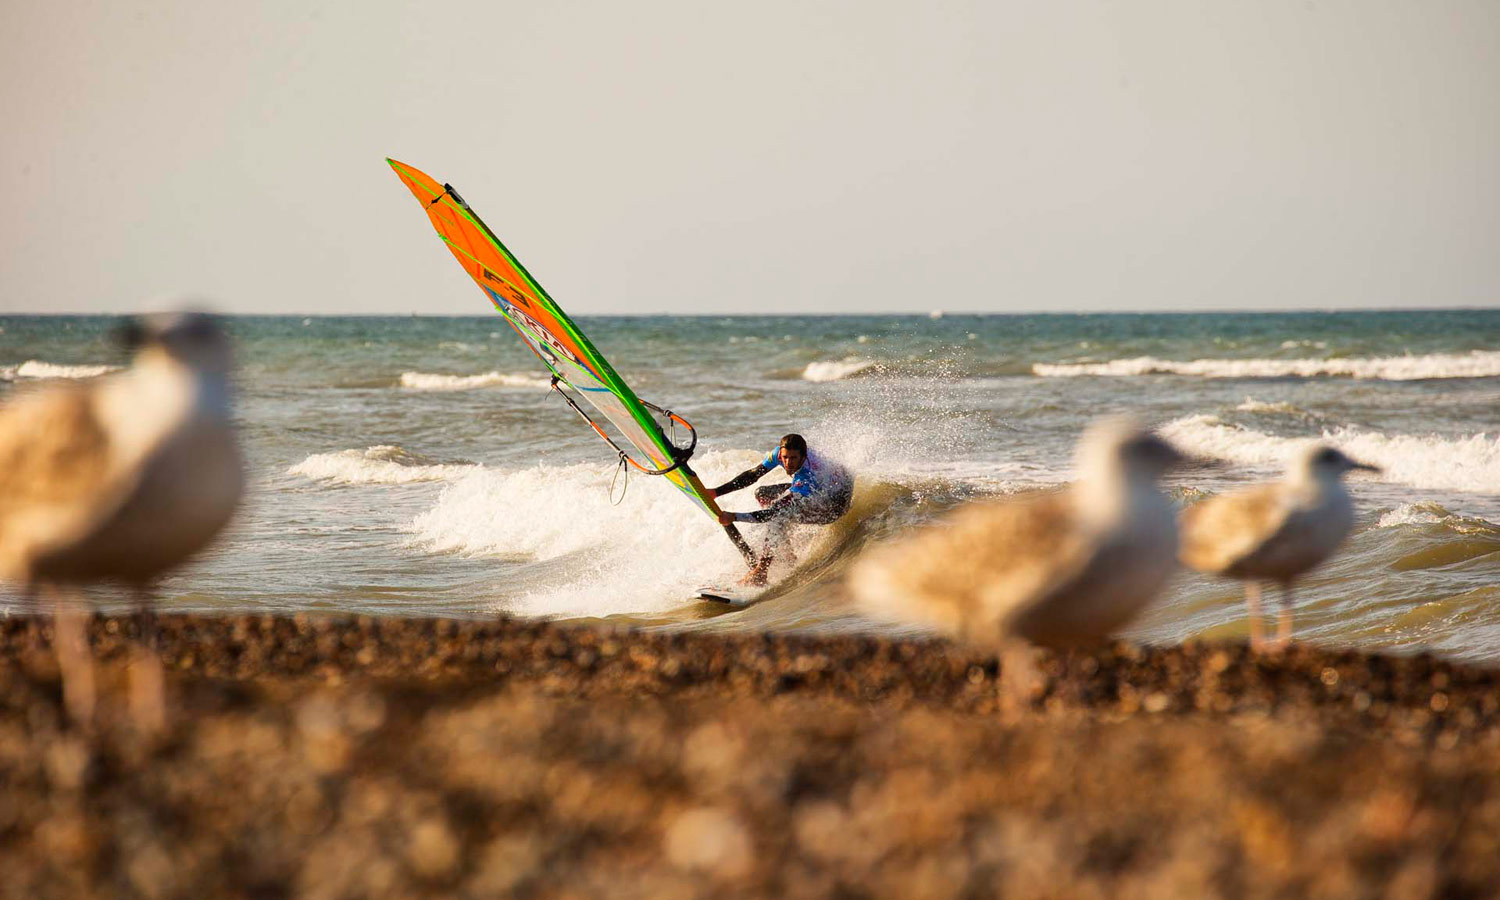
{"x": 793, "y": 453}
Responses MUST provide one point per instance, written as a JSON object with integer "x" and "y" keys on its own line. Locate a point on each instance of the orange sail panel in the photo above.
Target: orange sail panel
{"x": 549, "y": 332}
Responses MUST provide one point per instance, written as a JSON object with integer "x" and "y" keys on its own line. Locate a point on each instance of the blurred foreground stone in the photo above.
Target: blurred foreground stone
{"x": 328, "y": 758}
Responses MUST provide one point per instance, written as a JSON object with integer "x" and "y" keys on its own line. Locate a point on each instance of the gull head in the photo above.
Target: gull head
{"x": 1119, "y": 448}
{"x": 191, "y": 339}
{"x": 1321, "y": 462}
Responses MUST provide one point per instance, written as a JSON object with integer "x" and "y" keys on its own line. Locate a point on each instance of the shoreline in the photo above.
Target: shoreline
{"x": 330, "y": 757}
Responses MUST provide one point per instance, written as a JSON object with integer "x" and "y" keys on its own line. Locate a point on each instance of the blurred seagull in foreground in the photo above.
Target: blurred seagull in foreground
{"x": 1059, "y": 569}
{"x": 1274, "y": 532}
{"x": 120, "y": 478}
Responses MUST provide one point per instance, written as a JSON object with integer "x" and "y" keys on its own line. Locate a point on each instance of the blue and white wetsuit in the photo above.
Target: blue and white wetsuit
{"x": 819, "y": 493}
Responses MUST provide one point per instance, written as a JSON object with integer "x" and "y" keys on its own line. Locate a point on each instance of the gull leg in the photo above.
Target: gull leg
{"x": 1252, "y": 603}
{"x": 1021, "y": 681}
{"x": 75, "y": 661}
{"x": 148, "y": 705}
{"x": 1284, "y": 618}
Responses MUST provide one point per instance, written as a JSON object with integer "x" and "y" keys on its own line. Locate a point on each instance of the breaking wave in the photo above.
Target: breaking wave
{"x": 35, "y": 368}
{"x": 1427, "y": 513}
{"x": 1478, "y": 364}
{"x": 836, "y": 370}
{"x": 427, "y": 381}
{"x": 1469, "y": 464}
{"x": 1252, "y": 405}
{"x": 384, "y": 464}
{"x": 560, "y": 520}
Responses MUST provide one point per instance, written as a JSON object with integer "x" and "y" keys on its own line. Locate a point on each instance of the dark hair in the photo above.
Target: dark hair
{"x": 795, "y": 442}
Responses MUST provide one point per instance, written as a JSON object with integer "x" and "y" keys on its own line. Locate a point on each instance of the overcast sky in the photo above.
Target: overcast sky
{"x": 755, "y": 157}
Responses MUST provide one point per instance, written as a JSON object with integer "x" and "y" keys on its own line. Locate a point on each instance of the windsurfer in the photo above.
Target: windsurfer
{"x": 818, "y": 494}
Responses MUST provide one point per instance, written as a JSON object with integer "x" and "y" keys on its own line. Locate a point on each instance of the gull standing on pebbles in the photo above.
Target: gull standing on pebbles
{"x": 1060, "y": 569}
{"x": 1274, "y": 532}
{"x": 120, "y": 478}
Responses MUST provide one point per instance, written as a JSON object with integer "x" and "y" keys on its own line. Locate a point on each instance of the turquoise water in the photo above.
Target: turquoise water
{"x": 420, "y": 466}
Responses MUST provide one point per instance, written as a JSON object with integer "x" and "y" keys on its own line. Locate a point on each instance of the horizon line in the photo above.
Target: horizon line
{"x": 941, "y": 314}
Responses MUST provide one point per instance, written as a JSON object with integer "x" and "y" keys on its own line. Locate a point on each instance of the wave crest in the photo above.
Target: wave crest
{"x": 836, "y": 370}
{"x": 429, "y": 381}
{"x": 1468, "y": 464}
{"x": 1478, "y": 364}
{"x": 35, "y": 368}
{"x": 1427, "y": 513}
{"x": 1279, "y": 408}
{"x": 383, "y": 464}
{"x": 562, "y": 521}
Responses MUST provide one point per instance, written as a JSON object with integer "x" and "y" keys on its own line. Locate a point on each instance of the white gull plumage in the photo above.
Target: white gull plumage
{"x": 1274, "y": 532}
{"x": 1057, "y": 569}
{"x": 120, "y": 478}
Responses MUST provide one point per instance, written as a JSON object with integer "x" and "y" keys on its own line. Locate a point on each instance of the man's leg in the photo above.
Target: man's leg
{"x": 757, "y": 576}
{"x": 814, "y": 511}
{"x": 775, "y": 544}
{"x": 820, "y": 511}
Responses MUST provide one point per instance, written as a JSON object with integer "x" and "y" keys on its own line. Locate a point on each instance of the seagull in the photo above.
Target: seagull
{"x": 120, "y": 478}
{"x": 1274, "y": 532}
{"x": 1058, "y": 569}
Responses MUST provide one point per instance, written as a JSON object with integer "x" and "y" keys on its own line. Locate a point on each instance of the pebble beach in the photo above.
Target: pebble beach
{"x": 330, "y": 757}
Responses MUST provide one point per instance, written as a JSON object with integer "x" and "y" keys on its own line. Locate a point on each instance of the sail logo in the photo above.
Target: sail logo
{"x": 514, "y": 292}
{"x": 546, "y": 340}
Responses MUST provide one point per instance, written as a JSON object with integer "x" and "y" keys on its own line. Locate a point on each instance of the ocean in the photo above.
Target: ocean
{"x": 420, "y": 466}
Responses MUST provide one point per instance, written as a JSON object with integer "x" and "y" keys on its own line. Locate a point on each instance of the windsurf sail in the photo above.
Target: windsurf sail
{"x": 559, "y": 344}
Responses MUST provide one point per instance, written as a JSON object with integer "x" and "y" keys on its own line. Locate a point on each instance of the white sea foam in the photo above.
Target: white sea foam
{"x": 1478, "y": 364}
{"x": 1425, "y": 512}
{"x": 35, "y": 368}
{"x": 587, "y": 557}
{"x": 835, "y": 370}
{"x": 616, "y": 554}
{"x": 1283, "y": 408}
{"x": 383, "y": 464}
{"x": 1413, "y": 514}
{"x": 427, "y": 381}
{"x": 1469, "y": 464}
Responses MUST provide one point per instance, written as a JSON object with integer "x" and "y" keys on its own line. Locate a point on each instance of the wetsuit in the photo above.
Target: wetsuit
{"x": 818, "y": 494}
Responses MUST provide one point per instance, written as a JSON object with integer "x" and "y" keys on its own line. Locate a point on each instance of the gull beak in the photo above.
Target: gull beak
{"x": 1366, "y": 467}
